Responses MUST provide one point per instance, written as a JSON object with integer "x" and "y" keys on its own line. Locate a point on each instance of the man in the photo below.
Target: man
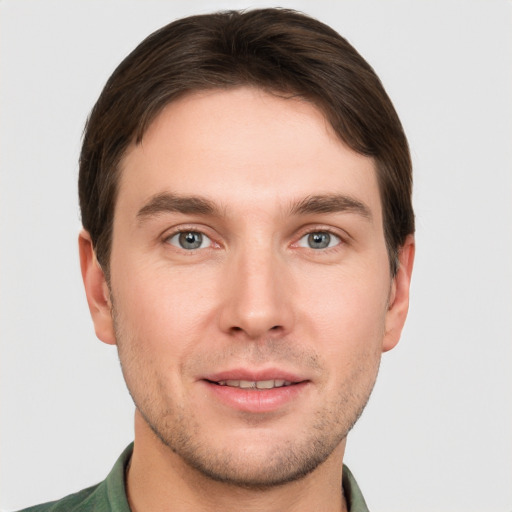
{"x": 245, "y": 188}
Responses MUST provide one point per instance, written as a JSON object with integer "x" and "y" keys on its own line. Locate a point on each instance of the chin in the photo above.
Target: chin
{"x": 260, "y": 467}
{"x": 253, "y": 462}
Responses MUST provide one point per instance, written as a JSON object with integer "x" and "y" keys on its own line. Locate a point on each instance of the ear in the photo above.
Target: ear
{"x": 96, "y": 290}
{"x": 399, "y": 295}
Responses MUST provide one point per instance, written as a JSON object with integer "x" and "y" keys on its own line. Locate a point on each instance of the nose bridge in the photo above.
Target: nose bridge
{"x": 257, "y": 300}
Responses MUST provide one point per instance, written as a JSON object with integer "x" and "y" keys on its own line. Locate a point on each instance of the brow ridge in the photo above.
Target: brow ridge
{"x": 166, "y": 202}
{"x": 315, "y": 204}
{"x": 331, "y": 203}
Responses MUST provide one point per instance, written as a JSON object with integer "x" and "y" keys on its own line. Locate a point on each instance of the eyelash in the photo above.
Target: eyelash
{"x": 189, "y": 229}
{"x": 342, "y": 239}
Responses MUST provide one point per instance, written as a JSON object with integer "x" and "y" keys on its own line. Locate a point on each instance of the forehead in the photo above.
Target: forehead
{"x": 222, "y": 144}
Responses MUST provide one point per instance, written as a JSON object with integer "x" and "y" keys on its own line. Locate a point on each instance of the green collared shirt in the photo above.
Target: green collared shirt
{"x": 110, "y": 495}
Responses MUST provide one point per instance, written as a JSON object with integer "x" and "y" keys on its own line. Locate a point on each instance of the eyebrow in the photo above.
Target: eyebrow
{"x": 171, "y": 203}
{"x": 326, "y": 203}
{"x": 331, "y": 203}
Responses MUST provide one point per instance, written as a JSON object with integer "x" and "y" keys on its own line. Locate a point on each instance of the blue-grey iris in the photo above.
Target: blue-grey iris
{"x": 319, "y": 240}
{"x": 190, "y": 240}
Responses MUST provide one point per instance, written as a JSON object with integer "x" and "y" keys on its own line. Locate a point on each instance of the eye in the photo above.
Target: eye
{"x": 319, "y": 240}
{"x": 190, "y": 240}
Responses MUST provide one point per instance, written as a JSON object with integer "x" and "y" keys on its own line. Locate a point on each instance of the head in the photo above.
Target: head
{"x": 245, "y": 189}
{"x": 276, "y": 50}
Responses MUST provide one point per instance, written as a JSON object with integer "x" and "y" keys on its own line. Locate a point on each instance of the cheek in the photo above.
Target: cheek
{"x": 347, "y": 312}
{"x": 154, "y": 326}
{"x": 161, "y": 306}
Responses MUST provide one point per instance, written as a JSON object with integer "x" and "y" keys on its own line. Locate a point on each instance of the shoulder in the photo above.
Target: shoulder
{"x": 107, "y": 496}
{"x": 85, "y": 500}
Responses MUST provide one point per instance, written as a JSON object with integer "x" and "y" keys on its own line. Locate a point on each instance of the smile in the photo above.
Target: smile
{"x": 255, "y": 394}
{"x": 259, "y": 384}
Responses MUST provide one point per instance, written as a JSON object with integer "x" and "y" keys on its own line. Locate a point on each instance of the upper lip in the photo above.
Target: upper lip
{"x": 254, "y": 375}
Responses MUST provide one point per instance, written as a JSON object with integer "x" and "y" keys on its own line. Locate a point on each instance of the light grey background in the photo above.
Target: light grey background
{"x": 437, "y": 434}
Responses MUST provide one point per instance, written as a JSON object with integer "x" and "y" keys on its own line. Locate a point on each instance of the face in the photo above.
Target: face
{"x": 250, "y": 287}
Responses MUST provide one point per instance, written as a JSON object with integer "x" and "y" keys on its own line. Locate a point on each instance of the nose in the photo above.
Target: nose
{"x": 257, "y": 291}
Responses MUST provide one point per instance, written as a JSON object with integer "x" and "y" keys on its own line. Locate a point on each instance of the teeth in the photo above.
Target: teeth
{"x": 260, "y": 384}
{"x": 266, "y": 384}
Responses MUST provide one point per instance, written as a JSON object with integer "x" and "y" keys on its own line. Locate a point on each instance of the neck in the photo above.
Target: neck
{"x": 158, "y": 480}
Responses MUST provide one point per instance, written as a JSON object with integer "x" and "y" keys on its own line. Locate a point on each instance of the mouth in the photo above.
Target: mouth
{"x": 255, "y": 392}
{"x": 254, "y": 384}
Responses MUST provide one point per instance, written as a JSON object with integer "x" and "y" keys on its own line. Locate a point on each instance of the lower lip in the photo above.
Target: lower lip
{"x": 256, "y": 400}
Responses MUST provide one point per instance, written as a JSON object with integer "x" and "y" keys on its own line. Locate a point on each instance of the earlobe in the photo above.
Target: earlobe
{"x": 96, "y": 290}
{"x": 399, "y": 295}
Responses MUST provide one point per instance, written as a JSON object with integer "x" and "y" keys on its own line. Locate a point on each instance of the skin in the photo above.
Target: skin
{"x": 255, "y": 298}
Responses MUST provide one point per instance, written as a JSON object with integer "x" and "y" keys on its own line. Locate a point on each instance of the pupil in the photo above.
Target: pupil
{"x": 319, "y": 240}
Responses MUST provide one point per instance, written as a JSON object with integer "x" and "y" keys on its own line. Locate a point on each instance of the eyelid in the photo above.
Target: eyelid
{"x": 190, "y": 228}
{"x": 342, "y": 236}
{"x": 204, "y": 239}
{"x": 334, "y": 241}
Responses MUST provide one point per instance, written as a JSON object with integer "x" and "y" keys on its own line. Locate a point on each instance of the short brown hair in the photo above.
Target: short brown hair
{"x": 278, "y": 50}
